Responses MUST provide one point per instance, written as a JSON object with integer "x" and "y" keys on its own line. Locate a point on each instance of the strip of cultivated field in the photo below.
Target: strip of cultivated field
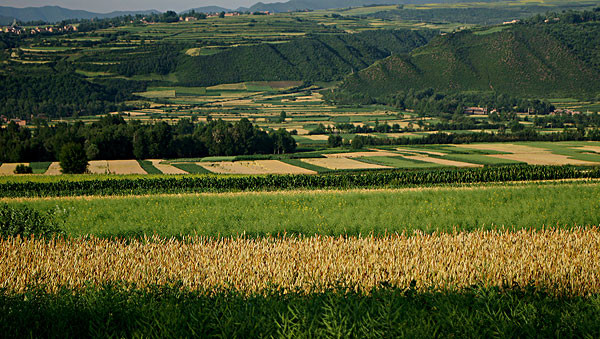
{"x": 329, "y": 212}
{"x": 559, "y": 261}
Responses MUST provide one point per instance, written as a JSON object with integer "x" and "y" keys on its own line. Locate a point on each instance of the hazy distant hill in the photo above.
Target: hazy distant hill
{"x": 294, "y": 5}
{"x": 209, "y": 9}
{"x": 5, "y": 20}
{"x": 53, "y": 14}
{"x": 525, "y": 60}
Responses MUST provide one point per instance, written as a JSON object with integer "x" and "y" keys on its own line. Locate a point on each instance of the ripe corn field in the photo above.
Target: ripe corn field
{"x": 564, "y": 262}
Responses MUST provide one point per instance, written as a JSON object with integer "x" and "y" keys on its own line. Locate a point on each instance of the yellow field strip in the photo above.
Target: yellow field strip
{"x": 166, "y": 168}
{"x": 9, "y": 169}
{"x": 562, "y": 261}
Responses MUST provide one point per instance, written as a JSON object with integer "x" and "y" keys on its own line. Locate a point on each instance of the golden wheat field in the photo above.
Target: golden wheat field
{"x": 562, "y": 261}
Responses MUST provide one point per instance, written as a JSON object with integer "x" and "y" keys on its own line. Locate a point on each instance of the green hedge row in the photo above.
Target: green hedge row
{"x": 371, "y": 179}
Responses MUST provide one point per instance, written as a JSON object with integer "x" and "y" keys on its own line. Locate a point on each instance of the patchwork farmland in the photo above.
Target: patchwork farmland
{"x": 303, "y": 174}
{"x": 406, "y": 157}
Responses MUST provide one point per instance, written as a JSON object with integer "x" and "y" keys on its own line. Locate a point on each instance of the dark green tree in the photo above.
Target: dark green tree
{"x": 334, "y": 140}
{"x": 282, "y": 116}
{"x": 73, "y": 159}
{"x": 283, "y": 142}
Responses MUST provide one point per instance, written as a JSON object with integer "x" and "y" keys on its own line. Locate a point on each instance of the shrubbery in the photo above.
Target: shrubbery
{"x": 23, "y": 169}
{"x": 25, "y": 222}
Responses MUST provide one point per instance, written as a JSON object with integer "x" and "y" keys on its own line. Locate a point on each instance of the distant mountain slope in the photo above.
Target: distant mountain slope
{"x": 52, "y": 14}
{"x": 5, "y": 20}
{"x": 314, "y": 58}
{"x": 295, "y": 5}
{"x": 523, "y": 60}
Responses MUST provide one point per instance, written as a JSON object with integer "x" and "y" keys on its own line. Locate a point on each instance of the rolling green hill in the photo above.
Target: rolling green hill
{"x": 542, "y": 60}
{"x": 315, "y": 58}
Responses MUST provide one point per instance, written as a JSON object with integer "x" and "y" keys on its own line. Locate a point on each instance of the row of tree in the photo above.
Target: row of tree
{"x": 433, "y": 103}
{"x": 526, "y": 134}
{"x": 114, "y": 138}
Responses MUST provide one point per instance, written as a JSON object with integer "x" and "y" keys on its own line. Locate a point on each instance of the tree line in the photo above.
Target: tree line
{"x": 436, "y": 103}
{"x": 114, "y": 138}
{"x": 527, "y": 134}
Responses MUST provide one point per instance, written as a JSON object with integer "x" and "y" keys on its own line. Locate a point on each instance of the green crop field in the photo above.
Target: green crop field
{"x": 329, "y": 213}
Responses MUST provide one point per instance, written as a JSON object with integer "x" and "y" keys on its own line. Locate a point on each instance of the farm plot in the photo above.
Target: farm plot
{"x": 54, "y": 169}
{"x": 98, "y": 167}
{"x": 9, "y": 169}
{"x": 254, "y": 167}
{"x": 166, "y": 168}
{"x": 316, "y": 137}
{"x": 441, "y": 161}
{"x": 125, "y": 167}
{"x": 528, "y": 154}
{"x": 592, "y": 149}
{"x": 398, "y": 162}
{"x": 342, "y": 163}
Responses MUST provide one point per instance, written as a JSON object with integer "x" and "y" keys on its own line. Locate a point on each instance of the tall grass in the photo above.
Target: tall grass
{"x": 329, "y": 212}
{"x": 112, "y": 311}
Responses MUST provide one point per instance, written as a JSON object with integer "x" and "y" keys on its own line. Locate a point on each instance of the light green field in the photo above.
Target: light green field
{"x": 398, "y": 162}
{"x": 331, "y": 212}
{"x": 479, "y": 159}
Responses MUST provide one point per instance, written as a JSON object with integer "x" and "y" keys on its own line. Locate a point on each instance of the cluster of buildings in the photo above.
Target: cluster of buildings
{"x": 15, "y": 29}
{"x": 485, "y": 111}
{"x": 476, "y": 110}
{"x": 19, "y": 122}
{"x": 564, "y": 111}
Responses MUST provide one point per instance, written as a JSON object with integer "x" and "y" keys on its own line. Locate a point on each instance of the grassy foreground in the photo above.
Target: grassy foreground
{"x": 529, "y": 206}
{"x": 111, "y": 311}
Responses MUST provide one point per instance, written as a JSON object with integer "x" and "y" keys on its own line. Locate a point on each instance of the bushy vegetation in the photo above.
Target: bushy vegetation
{"x": 169, "y": 312}
{"x": 25, "y": 222}
{"x": 209, "y": 183}
{"x": 23, "y": 169}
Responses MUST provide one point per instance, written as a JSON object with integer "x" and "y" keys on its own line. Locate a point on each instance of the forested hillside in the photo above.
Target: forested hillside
{"x": 315, "y": 58}
{"x": 59, "y": 92}
{"x": 542, "y": 59}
